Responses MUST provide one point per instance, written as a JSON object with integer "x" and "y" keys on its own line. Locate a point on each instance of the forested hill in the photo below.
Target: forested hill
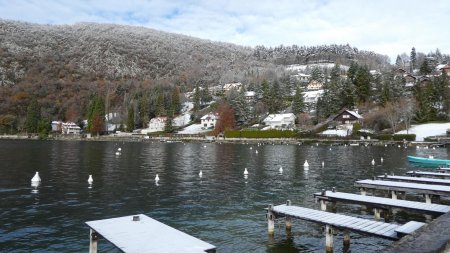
{"x": 112, "y": 52}
{"x": 90, "y": 51}
{"x": 342, "y": 54}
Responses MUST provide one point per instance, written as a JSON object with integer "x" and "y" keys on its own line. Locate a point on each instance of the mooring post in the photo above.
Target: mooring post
{"x": 427, "y": 198}
{"x": 363, "y": 191}
{"x": 377, "y": 213}
{"x": 394, "y": 194}
{"x": 323, "y": 205}
{"x": 346, "y": 241}
{"x": 288, "y": 219}
{"x": 93, "y": 239}
{"x": 270, "y": 220}
{"x": 329, "y": 238}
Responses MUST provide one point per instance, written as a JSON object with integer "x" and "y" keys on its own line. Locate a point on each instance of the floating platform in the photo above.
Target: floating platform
{"x": 141, "y": 234}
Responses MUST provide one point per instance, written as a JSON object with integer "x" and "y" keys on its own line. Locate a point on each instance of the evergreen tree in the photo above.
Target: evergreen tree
{"x": 362, "y": 84}
{"x": 168, "y": 126}
{"x": 347, "y": 95}
{"x": 425, "y": 68}
{"x": 160, "y": 111}
{"x": 276, "y": 99}
{"x": 130, "y": 119}
{"x": 316, "y": 75}
{"x": 205, "y": 96}
{"x": 96, "y": 115}
{"x": 33, "y": 116}
{"x": 197, "y": 98}
{"x": 413, "y": 59}
{"x": 266, "y": 96}
{"x": 176, "y": 103}
{"x": 351, "y": 72}
{"x": 298, "y": 103}
{"x": 239, "y": 104}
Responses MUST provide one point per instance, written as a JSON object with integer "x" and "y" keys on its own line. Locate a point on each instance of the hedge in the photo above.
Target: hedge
{"x": 261, "y": 134}
{"x": 396, "y": 137}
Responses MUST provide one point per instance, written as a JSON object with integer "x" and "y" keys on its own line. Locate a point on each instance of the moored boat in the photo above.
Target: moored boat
{"x": 429, "y": 161}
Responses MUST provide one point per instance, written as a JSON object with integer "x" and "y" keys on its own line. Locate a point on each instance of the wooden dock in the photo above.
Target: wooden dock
{"x": 395, "y": 187}
{"x": 379, "y": 203}
{"x": 140, "y": 234}
{"x": 419, "y": 180}
{"x": 428, "y": 174}
{"x": 334, "y": 221}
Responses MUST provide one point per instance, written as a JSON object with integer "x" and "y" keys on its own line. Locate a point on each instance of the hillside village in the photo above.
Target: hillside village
{"x": 312, "y": 81}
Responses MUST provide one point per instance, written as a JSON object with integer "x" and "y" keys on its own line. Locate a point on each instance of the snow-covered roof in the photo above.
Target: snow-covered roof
{"x": 158, "y": 120}
{"x": 250, "y": 93}
{"x": 210, "y": 116}
{"x": 313, "y": 94}
{"x": 354, "y": 114}
{"x": 229, "y": 86}
{"x": 278, "y": 117}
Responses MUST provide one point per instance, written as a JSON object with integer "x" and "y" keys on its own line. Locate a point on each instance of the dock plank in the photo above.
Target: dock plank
{"x": 428, "y": 174}
{"x": 405, "y": 187}
{"x": 356, "y": 224}
{"x": 420, "y": 180}
{"x": 383, "y": 203}
{"x": 147, "y": 235}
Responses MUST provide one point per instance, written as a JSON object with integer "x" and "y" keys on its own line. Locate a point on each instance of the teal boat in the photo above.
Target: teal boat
{"x": 428, "y": 161}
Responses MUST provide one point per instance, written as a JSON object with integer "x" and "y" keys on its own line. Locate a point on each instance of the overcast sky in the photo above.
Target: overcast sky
{"x": 388, "y": 27}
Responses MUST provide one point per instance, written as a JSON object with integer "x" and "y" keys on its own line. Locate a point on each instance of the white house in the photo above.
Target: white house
{"x": 311, "y": 97}
{"x": 156, "y": 124}
{"x": 209, "y": 120}
{"x": 280, "y": 121}
{"x": 314, "y": 85}
{"x": 232, "y": 86}
{"x": 57, "y": 126}
{"x": 250, "y": 96}
{"x": 70, "y": 128}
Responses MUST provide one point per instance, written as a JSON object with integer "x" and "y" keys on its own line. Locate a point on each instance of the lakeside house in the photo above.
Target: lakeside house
{"x": 65, "y": 127}
{"x": 314, "y": 85}
{"x": 209, "y": 120}
{"x": 280, "y": 121}
{"x": 250, "y": 96}
{"x": 347, "y": 117}
{"x": 231, "y": 86}
{"x": 155, "y": 125}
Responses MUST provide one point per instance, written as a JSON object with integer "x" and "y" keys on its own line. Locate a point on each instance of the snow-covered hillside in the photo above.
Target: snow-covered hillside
{"x": 302, "y": 68}
{"x": 425, "y": 130}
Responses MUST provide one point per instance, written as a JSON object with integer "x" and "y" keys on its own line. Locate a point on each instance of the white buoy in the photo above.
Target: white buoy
{"x": 200, "y": 174}
{"x": 306, "y": 164}
{"x": 381, "y": 159}
{"x": 119, "y": 149}
{"x": 251, "y": 148}
{"x": 323, "y": 164}
{"x": 90, "y": 180}
{"x": 434, "y": 148}
{"x": 398, "y": 146}
{"x": 156, "y": 178}
{"x": 204, "y": 146}
{"x": 417, "y": 147}
{"x": 256, "y": 152}
{"x": 245, "y": 171}
{"x": 117, "y": 153}
{"x": 36, "y": 178}
{"x": 373, "y": 161}
{"x": 280, "y": 169}
{"x": 385, "y": 145}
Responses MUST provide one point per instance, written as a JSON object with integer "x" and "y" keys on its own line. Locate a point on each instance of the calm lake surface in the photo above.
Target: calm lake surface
{"x": 222, "y": 208}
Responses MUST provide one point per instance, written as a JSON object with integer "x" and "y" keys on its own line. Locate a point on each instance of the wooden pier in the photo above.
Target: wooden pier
{"x": 419, "y": 180}
{"x": 380, "y": 204}
{"x": 334, "y": 222}
{"x": 396, "y": 187}
{"x": 428, "y": 174}
{"x": 141, "y": 234}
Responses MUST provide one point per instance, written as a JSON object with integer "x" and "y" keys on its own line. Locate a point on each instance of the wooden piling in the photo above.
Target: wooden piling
{"x": 288, "y": 219}
{"x": 427, "y": 198}
{"x": 329, "y": 238}
{"x": 377, "y": 213}
{"x": 346, "y": 241}
{"x": 270, "y": 220}
{"x": 93, "y": 240}
{"x": 393, "y": 194}
{"x": 323, "y": 205}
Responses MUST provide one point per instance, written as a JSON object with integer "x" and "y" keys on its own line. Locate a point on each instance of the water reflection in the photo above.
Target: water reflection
{"x": 216, "y": 206}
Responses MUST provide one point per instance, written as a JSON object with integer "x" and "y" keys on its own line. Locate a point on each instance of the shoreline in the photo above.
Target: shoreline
{"x": 279, "y": 141}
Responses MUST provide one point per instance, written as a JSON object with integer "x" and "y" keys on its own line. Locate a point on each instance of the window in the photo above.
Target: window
{"x": 345, "y": 116}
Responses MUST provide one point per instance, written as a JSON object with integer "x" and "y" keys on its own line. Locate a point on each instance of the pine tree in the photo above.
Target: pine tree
{"x": 425, "y": 68}
{"x": 362, "y": 84}
{"x": 168, "y": 126}
{"x": 239, "y": 104}
{"x": 160, "y": 111}
{"x": 33, "y": 116}
{"x": 351, "y": 72}
{"x": 399, "y": 62}
{"x": 176, "y": 103}
{"x": 298, "y": 103}
{"x": 96, "y": 115}
{"x": 144, "y": 111}
{"x": 413, "y": 59}
{"x": 276, "y": 99}
{"x": 197, "y": 98}
{"x": 130, "y": 119}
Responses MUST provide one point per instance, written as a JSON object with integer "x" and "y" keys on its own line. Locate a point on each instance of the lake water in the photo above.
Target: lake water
{"x": 222, "y": 208}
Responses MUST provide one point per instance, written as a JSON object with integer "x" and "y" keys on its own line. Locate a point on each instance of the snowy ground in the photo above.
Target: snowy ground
{"x": 302, "y": 68}
{"x": 426, "y": 130}
{"x": 194, "y": 129}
